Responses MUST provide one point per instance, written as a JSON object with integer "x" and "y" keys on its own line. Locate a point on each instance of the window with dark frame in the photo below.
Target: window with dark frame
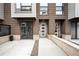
{"x": 23, "y": 7}
{"x": 26, "y": 7}
{"x": 43, "y": 8}
{"x": 59, "y": 8}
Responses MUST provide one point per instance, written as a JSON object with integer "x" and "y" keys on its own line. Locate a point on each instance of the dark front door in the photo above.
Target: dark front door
{"x": 58, "y": 29}
{"x": 26, "y": 30}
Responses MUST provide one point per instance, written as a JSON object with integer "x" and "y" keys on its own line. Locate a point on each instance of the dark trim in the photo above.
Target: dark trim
{"x": 76, "y": 30}
{"x": 25, "y": 18}
{"x": 5, "y": 24}
{"x": 74, "y": 19}
{"x": 61, "y": 28}
{"x": 74, "y": 38}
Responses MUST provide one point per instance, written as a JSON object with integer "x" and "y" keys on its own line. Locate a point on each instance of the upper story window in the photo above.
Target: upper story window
{"x": 59, "y": 8}
{"x": 43, "y": 8}
{"x": 23, "y": 7}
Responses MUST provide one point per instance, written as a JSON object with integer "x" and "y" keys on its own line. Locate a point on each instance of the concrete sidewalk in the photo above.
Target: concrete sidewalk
{"x": 48, "y": 48}
{"x": 26, "y": 47}
{"x": 17, "y": 48}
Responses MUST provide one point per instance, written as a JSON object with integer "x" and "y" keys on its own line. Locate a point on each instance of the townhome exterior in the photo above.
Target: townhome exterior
{"x": 31, "y": 22}
{"x": 20, "y": 20}
{"x": 35, "y": 20}
{"x": 56, "y": 19}
{"x": 41, "y": 20}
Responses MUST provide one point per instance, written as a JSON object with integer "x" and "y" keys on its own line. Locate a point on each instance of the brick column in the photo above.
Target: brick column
{"x": 67, "y": 30}
{"x": 15, "y": 28}
{"x": 67, "y": 27}
{"x": 36, "y": 29}
{"x": 51, "y": 26}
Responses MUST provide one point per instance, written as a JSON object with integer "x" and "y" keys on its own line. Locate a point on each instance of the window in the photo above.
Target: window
{"x": 43, "y": 9}
{"x": 4, "y": 30}
{"x": 23, "y": 7}
{"x": 59, "y": 9}
{"x": 26, "y": 7}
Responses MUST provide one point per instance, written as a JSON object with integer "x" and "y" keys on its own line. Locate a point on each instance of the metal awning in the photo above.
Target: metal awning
{"x": 74, "y": 19}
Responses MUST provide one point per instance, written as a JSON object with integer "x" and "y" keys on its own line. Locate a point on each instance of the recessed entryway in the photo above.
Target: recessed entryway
{"x": 58, "y": 28}
{"x": 43, "y": 29}
{"x": 27, "y": 30}
{"x": 75, "y": 29}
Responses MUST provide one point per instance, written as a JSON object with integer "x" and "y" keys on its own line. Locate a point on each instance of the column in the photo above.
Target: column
{"x": 51, "y": 27}
{"x": 36, "y": 29}
{"x": 67, "y": 30}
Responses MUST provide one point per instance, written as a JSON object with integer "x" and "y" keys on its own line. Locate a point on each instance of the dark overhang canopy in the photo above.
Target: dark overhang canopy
{"x": 74, "y": 19}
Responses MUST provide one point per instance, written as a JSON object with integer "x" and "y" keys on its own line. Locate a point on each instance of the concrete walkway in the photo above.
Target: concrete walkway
{"x": 48, "y": 48}
{"x": 17, "y": 48}
{"x": 26, "y": 47}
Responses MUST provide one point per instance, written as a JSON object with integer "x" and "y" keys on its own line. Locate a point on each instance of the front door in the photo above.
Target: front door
{"x": 43, "y": 30}
{"x": 26, "y": 30}
{"x": 58, "y": 29}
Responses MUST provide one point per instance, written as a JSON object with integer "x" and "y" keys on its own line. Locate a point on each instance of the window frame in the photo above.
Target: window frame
{"x": 41, "y": 9}
{"x": 60, "y": 10}
{"x": 20, "y": 9}
{"x": 26, "y": 6}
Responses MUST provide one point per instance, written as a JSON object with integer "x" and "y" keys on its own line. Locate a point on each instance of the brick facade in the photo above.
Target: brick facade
{"x": 51, "y": 19}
